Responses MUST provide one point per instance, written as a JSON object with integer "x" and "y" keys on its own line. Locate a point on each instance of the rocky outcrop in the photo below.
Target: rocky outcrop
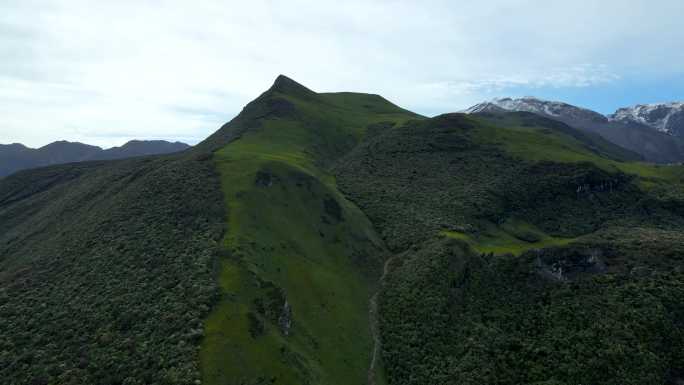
{"x": 285, "y": 319}
{"x": 568, "y": 263}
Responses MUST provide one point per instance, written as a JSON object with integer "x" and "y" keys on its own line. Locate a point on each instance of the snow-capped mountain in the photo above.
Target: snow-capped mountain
{"x": 664, "y": 117}
{"x": 538, "y": 106}
{"x": 655, "y": 132}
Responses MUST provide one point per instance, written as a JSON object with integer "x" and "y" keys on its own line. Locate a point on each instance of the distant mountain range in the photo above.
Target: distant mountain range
{"x": 15, "y": 157}
{"x": 655, "y": 131}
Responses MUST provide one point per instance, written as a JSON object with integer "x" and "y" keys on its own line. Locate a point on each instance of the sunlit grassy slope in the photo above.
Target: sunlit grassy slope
{"x": 300, "y": 260}
{"x": 512, "y": 237}
{"x": 532, "y": 138}
{"x": 529, "y": 137}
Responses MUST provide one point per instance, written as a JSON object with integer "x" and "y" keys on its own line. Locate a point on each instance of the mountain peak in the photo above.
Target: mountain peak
{"x": 538, "y": 106}
{"x": 17, "y": 146}
{"x": 667, "y": 118}
{"x": 285, "y": 85}
{"x": 65, "y": 144}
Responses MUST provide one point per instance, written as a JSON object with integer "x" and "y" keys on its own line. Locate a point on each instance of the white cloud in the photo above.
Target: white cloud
{"x": 578, "y": 76}
{"x": 105, "y": 72}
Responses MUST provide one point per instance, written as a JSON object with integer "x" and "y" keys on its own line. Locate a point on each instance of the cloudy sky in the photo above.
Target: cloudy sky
{"x": 106, "y": 72}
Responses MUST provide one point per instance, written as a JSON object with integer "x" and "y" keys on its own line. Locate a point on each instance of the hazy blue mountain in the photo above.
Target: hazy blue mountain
{"x": 15, "y": 157}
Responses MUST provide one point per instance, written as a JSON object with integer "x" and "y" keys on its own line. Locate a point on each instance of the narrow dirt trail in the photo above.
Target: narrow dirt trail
{"x": 375, "y": 327}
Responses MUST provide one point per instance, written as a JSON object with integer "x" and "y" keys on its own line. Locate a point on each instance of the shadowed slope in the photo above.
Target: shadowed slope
{"x": 106, "y": 270}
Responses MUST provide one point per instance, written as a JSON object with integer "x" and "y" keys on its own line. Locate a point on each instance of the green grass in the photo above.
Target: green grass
{"x": 290, "y": 230}
{"x": 334, "y": 123}
{"x": 512, "y": 237}
{"x": 277, "y": 233}
{"x": 537, "y": 143}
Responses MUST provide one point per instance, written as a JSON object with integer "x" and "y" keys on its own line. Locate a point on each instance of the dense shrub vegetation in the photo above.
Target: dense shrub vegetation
{"x": 603, "y": 306}
{"x": 106, "y": 271}
{"x": 449, "y": 316}
{"x": 441, "y": 173}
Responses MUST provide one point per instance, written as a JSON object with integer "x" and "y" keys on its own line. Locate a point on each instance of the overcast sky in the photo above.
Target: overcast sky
{"x": 106, "y": 72}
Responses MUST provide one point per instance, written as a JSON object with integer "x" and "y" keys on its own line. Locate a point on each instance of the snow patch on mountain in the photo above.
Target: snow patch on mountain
{"x": 667, "y": 118}
{"x": 538, "y": 106}
{"x": 664, "y": 117}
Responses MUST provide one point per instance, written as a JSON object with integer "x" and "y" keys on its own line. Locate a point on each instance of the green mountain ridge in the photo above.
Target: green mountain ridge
{"x": 294, "y": 239}
{"x": 512, "y": 249}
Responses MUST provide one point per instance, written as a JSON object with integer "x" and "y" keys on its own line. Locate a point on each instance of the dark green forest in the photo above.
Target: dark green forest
{"x": 107, "y": 271}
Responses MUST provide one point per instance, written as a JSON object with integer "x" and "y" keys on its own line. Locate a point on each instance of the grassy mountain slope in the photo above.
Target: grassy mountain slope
{"x": 460, "y": 172}
{"x": 527, "y": 123}
{"x": 300, "y": 260}
{"x": 108, "y": 270}
{"x": 516, "y": 250}
{"x": 525, "y": 254}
